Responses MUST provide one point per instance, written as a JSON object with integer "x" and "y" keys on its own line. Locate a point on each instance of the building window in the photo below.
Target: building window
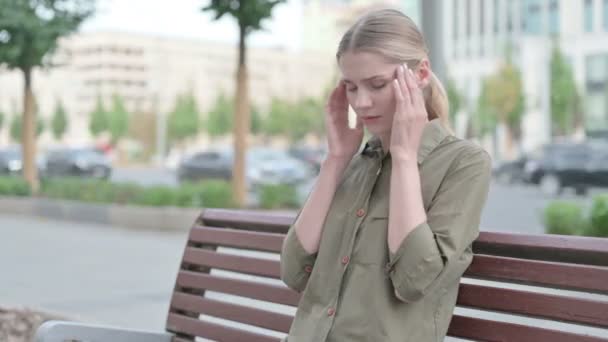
{"x": 455, "y": 21}
{"x": 605, "y": 15}
{"x": 531, "y": 17}
{"x": 496, "y": 16}
{"x": 553, "y": 16}
{"x": 596, "y": 91}
{"x": 482, "y": 26}
{"x": 509, "y": 16}
{"x": 468, "y": 17}
{"x": 588, "y": 13}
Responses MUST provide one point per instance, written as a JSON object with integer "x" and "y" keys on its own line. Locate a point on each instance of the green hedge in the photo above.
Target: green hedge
{"x": 208, "y": 194}
{"x": 278, "y": 196}
{"x": 567, "y": 218}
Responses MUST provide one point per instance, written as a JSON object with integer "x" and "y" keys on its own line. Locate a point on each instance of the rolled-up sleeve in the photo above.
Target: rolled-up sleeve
{"x": 438, "y": 251}
{"x": 296, "y": 262}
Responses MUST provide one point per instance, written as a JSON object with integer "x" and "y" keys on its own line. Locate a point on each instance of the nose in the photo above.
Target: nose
{"x": 363, "y": 100}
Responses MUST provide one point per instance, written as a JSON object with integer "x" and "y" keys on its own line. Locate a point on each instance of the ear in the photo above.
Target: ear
{"x": 423, "y": 73}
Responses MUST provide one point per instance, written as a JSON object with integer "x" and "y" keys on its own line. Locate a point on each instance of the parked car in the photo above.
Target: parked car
{"x": 264, "y": 166}
{"x": 561, "y": 165}
{"x": 81, "y": 162}
{"x": 212, "y": 164}
{"x": 11, "y": 162}
{"x": 310, "y": 155}
{"x": 510, "y": 172}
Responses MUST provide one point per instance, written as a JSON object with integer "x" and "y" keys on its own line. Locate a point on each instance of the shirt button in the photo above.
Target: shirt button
{"x": 360, "y": 212}
{"x": 331, "y": 312}
{"x": 307, "y": 268}
{"x": 345, "y": 260}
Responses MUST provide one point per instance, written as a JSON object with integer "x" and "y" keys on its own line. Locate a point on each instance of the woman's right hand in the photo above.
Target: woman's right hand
{"x": 343, "y": 142}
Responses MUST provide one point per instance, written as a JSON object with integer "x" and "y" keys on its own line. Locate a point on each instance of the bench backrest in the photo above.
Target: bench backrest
{"x": 228, "y": 285}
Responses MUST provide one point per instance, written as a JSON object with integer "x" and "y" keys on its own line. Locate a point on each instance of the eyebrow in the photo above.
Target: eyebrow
{"x": 367, "y": 79}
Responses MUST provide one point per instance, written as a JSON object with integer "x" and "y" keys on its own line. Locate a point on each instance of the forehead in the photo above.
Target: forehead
{"x": 357, "y": 66}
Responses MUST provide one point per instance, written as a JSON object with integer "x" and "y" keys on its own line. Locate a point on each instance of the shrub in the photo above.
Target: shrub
{"x": 564, "y": 218}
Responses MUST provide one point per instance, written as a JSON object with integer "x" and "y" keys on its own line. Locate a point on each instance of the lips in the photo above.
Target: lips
{"x": 370, "y": 118}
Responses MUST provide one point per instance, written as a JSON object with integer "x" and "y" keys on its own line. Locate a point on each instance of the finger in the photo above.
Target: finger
{"x": 399, "y": 100}
{"x": 359, "y": 123}
{"x": 410, "y": 82}
{"x": 407, "y": 99}
{"x": 415, "y": 90}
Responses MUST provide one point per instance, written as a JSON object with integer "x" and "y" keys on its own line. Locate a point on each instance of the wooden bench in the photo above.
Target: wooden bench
{"x": 228, "y": 288}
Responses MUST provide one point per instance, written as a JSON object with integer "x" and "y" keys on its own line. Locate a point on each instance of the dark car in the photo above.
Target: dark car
{"x": 11, "y": 162}
{"x": 558, "y": 166}
{"x": 310, "y": 155}
{"x": 81, "y": 162}
{"x": 206, "y": 165}
{"x": 510, "y": 172}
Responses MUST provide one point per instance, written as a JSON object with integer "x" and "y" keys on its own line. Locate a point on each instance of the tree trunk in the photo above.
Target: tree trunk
{"x": 241, "y": 126}
{"x": 28, "y": 134}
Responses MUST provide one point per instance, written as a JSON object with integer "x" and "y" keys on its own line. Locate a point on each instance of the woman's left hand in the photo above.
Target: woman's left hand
{"x": 410, "y": 116}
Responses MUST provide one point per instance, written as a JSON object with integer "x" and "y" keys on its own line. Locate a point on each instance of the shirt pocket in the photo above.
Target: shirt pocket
{"x": 371, "y": 246}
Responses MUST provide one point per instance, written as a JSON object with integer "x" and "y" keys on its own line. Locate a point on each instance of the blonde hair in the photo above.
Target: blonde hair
{"x": 395, "y": 36}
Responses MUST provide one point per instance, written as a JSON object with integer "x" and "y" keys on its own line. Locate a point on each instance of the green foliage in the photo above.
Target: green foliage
{"x": 183, "y": 121}
{"x": 221, "y": 117}
{"x": 485, "y": 119}
{"x": 118, "y": 119}
{"x": 59, "y": 122}
{"x": 14, "y": 186}
{"x": 29, "y": 30}
{"x": 207, "y": 194}
{"x": 278, "y": 196}
{"x": 598, "y": 225}
{"x": 564, "y": 95}
{"x": 256, "y": 121}
{"x": 248, "y": 13}
{"x": 99, "y": 119}
{"x": 17, "y": 127}
{"x": 505, "y": 98}
{"x": 1, "y": 120}
{"x": 454, "y": 99}
{"x": 564, "y": 218}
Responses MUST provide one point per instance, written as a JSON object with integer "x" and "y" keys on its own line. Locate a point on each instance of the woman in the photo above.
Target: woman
{"x": 380, "y": 245}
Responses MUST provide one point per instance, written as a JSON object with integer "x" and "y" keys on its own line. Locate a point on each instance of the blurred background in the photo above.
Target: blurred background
{"x": 160, "y": 104}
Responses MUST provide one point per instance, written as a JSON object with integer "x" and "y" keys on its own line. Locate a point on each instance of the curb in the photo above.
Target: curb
{"x": 126, "y": 216}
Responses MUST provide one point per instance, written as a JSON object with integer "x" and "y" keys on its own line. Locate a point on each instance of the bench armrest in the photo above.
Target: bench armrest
{"x": 60, "y": 331}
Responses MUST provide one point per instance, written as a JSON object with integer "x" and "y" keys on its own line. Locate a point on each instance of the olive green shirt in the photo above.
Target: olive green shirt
{"x": 348, "y": 286}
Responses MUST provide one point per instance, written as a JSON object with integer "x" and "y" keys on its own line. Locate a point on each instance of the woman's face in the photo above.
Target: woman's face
{"x": 368, "y": 77}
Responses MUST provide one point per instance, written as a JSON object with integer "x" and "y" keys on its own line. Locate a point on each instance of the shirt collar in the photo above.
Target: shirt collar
{"x": 433, "y": 134}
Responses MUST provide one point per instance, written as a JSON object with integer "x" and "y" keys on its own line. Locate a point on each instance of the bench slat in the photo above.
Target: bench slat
{"x": 244, "y": 288}
{"x": 242, "y": 264}
{"x": 268, "y": 242}
{"x": 182, "y": 324}
{"x": 247, "y": 220}
{"x": 567, "y": 309}
{"x": 487, "y": 330}
{"x": 238, "y": 313}
{"x": 547, "y": 247}
{"x": 540, "y": 273}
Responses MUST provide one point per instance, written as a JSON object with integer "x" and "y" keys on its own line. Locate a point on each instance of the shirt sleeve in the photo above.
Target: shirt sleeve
{"x": 296, "y": 262}
{"x": 439, "y": 250}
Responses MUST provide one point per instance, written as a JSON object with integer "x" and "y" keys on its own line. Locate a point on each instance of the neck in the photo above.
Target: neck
{"x": 385, "y": 138}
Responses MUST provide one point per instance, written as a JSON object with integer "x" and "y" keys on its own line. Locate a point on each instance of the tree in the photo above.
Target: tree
{"x": 256, "y": 120}
{"x": 505, "y": 99}
{"x": 454, "y": 99}
{"x": 485, "y": 119}
{"x": 249, "y": 15}
{"x": 98, "y": 122}
{"x": 16, "y": 129}
{"x": 29, "y": 31}
{"x": 118, "y": 119}
{"x": 564, "y": 95}
{"x": 305, "y": 116}
{"x": 183, "y": 121}
{"x": 59, "y": 122}
{"x": 277, "y": 120}
{"x": 142, "y": 128}
{"x": 220, "y": 118}
{"x": 1, "y": 120}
